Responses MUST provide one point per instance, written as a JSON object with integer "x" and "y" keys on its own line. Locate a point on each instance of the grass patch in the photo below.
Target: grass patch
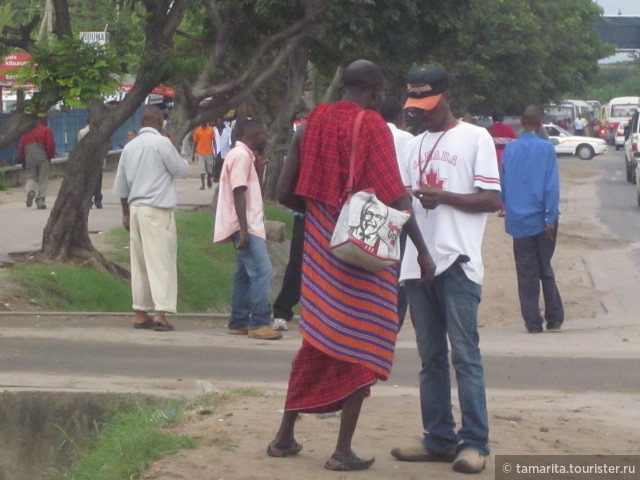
{"x": 205, "y": 272}
{"x": 130, "y": 442}
{"x": 3, "y": 182}
{"x": 137, "y": 435}
{"x": 212, "y": 401}
{"x": 72, "y": 288}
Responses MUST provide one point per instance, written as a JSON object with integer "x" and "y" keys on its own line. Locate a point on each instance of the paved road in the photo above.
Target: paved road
{"x": 619, "y": 200}
{"x": 256, "y": 365}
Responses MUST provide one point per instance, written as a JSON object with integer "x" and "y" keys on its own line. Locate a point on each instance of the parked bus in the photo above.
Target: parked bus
{"x": 618, "y": 109}
{"x": 565, "y": 112}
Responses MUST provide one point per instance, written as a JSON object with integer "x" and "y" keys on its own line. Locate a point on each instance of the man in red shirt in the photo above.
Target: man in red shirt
{"x": 35, "y": 151}
{"x": 502, "y": 134}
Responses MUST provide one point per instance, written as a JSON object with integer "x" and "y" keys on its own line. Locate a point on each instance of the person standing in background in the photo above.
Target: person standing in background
{"x": 204, "y": 142}
{"x": 97, "y": 191}
{"x": 145, "y": 184}
{"x": 131, "y": 134}
{"x": 35, "y": 151}
{"x": 502, "y": 134}
{"x": 392, "y": 113}
{"x": 223, "y": 145}
{"x": 579, "y": 124}
{"x": 240, "y": 220}
{"x": 289, "y": 295}
{"x": 531, "y": 193}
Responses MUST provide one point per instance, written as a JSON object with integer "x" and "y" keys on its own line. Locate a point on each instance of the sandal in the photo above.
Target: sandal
{"x": 277, "y": 450}
{"x": 163, "y": 327}
{"x": 147, "y": 324}
{"x": 348, "y": 463}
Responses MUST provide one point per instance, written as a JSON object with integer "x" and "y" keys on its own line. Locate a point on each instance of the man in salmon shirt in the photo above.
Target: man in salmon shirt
{"x": 240, "y": 219}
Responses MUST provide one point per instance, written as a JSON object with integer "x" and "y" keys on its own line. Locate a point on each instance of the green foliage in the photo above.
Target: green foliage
{"x": 5, "y": 16}
{"x": 130, "y": 442}
{"x": 499, "y": 53}
{"x": 57, "y": 73}
{"x": 618, "y": 80}
{"x": 124, "y": 20}
{"x": 509, "y": 53}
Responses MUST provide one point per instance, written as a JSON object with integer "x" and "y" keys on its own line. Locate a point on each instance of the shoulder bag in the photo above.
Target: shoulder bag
{"x": 367, "y": 233}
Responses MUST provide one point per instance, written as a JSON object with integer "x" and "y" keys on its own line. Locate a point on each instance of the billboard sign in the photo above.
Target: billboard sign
{"x": 11, "y": 62}
{"x": 98, "y": 38}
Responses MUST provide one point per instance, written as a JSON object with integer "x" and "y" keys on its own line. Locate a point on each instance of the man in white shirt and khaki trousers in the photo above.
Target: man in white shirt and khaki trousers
{"x": 145, "y": 184}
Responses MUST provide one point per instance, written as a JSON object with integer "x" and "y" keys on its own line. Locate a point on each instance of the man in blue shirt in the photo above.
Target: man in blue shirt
{"x": 531, "y": 191}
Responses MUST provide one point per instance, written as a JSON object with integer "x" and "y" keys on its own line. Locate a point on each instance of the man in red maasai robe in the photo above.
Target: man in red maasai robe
{"x": 348, "y": 316}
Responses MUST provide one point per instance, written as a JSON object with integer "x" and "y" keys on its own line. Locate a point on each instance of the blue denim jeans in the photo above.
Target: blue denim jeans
{"x": 449, "y": 306}
{"x": 250, "y": 305}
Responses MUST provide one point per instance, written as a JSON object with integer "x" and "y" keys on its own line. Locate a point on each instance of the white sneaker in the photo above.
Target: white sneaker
{"x": 280, "y": 324}
{"x": 469, "y": 460}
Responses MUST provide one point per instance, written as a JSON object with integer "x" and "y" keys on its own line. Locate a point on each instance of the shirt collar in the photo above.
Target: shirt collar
{"x": 149, "y": 129}
{"x": 249, "y": 151}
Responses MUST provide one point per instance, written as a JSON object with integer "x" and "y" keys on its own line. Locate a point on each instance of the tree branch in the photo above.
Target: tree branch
{"x": 22, "y": 35}
{"x": 189, "y": 36}
{"x": 293, "y": 35}
{"x": 258, "y": 81}
{"x": 220, "y": 45}
{"x": 174, "y": 17}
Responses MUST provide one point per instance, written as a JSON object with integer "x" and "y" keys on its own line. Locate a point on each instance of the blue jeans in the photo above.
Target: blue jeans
{"x": 250, "y": 305}
{"x": 449, "y": 306}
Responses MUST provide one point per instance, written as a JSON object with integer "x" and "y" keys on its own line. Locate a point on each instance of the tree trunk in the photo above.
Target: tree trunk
{"x": 330, "y": 93}
{"x": 66, "y": 235}
{"x": 181, "y": 120}
{"x": 280, "y": 129}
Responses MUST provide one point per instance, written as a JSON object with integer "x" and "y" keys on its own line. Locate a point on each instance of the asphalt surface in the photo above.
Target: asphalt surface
{"x": 102, "y": 352}
{"x": 248, "y": 364}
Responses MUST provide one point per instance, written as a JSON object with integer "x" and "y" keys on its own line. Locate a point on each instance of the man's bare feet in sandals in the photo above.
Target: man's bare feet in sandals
{"x": 160, "y": 323}
{"x": 347, "y": 463}
{"x": 275, "y": 449}
{"x": 142, "y": 320}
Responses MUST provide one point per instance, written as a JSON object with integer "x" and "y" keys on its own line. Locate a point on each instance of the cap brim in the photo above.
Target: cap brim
{"x": 426, "y": 103}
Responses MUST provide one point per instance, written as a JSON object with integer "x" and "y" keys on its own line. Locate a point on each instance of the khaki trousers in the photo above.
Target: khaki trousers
{"x": 37, "y": 179}
{"x": 154, "y": 250}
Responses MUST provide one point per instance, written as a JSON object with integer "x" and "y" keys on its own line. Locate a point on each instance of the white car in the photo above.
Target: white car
{"x": 619, "y": 135}
{"x": 584, "y": 147}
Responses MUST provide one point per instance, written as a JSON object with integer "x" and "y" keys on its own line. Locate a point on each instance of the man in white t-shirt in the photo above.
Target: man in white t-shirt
{"x": 453, "y": 173}
{"x": 578, "y": 125}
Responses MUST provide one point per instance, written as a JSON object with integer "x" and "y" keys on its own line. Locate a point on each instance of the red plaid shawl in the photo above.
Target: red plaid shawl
{"x": 326, "y": 145}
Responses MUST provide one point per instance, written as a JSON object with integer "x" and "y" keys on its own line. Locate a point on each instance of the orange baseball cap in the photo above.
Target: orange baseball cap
{"x": 425, "y": 86}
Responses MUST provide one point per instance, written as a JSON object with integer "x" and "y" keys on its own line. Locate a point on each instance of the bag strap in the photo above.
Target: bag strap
{"x": 352, "y": 157}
